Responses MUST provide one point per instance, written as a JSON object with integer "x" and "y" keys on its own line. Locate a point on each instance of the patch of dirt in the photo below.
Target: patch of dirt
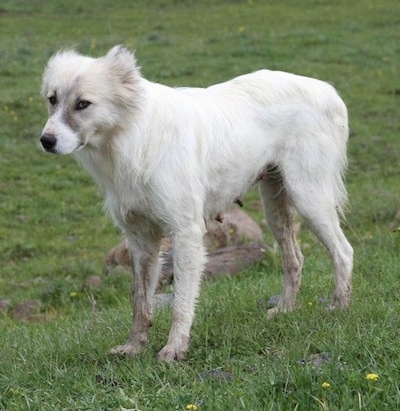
{"x": 27, "y": 311}
{"x": 5, "y": 304}
{"x": 92, "y": 282}
{"x": 395, "y": 224}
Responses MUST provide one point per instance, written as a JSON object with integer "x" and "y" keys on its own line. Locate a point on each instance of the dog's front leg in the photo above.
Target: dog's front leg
{"x": 145, "y": 265}
{"x": 189, "y": 260}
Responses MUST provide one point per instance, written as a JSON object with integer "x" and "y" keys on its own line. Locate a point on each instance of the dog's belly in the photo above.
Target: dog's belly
{"x": 229, "y": 189}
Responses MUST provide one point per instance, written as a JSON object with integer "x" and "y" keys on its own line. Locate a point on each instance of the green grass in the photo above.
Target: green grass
{"x": 53, "y": 234}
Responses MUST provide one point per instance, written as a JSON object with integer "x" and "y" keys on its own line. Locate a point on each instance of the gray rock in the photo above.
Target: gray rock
{"x": 316, "y": 360}
{"x": 273, "y": 301}
{"x": 163, "y": 300}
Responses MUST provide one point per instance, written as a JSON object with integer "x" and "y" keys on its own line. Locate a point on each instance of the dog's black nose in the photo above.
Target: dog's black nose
{"x": 48, "y": 141}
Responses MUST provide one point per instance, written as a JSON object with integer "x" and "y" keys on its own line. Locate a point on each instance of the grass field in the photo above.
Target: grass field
{"x": 54, "y": 235}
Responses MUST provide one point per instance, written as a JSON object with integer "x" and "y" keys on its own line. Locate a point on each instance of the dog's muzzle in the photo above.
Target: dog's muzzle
{"x": 48, "y": 142}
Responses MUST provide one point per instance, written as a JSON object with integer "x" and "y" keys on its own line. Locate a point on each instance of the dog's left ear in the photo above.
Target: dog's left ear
{"x": 123, "y": 63}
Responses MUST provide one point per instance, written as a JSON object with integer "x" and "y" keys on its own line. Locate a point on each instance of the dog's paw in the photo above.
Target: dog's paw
{"x": 170, "y": 354}
{"x": 341, "y": 300}
{"x": 272, "y": 312}
{"x": 280, "y": 308}
{"x": 126, "y": 349}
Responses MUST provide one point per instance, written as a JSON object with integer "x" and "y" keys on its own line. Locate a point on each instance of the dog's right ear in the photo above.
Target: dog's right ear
{"x": 123, "y": 63}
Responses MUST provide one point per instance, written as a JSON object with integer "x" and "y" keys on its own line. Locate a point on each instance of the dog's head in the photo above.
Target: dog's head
{"x": 88, "y": 98}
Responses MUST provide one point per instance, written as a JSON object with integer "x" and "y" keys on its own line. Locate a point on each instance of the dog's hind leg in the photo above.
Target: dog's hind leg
{"x": 189, "y": 260}
{"x": 325, "y": 224}
{"x": 145, "y": 265}
{"x": 317, "y": 204}
{"x": 280, "y": 214}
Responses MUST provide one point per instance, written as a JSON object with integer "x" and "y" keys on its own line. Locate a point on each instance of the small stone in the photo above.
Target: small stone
{"x": 316, "y": 360}
{"x": 273, "y": 301}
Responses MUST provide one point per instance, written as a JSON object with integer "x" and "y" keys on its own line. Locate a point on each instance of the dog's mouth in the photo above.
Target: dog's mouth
{"x": 80, "y": 146}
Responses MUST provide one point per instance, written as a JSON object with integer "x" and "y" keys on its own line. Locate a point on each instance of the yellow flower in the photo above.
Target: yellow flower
{"x": 325, "y": 384}
{"x": 372, "y": 377}
{"x": 191, "y": 407}
{"x": 73, "y": 294}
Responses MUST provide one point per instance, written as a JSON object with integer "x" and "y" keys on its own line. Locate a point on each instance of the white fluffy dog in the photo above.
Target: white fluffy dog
{"x": 170, "y": 158}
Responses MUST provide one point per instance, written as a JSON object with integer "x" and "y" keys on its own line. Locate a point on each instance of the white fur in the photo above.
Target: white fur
{"x": 171, "y": 158}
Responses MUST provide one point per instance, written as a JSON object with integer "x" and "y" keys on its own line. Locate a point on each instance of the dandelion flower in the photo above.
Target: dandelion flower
{"x": 73, "y": 294}
{"x": 14, "y": 391}
{"x": 191, "y": 407}
{"x": 372, "y": 377}
{"x": 325, "y": 384}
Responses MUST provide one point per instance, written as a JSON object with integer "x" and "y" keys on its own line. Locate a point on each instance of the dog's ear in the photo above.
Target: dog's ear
{"x": 123, "y": 63}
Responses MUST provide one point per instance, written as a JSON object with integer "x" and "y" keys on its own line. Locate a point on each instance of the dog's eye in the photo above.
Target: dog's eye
{"x": 53, "y": 100}
{"x": 82, "y": 104}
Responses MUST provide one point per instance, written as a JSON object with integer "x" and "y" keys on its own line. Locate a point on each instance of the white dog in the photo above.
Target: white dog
{"x": 171, "y": 158}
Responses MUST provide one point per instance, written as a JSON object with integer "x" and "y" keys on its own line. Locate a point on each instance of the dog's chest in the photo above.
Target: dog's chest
{"x": 127, "y": 198}
{"x": 137, "y": 205}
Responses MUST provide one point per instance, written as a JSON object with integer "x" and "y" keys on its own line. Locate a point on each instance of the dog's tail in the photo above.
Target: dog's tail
{"x": 340, "y": 135}
{"x": 314, "y": 167}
